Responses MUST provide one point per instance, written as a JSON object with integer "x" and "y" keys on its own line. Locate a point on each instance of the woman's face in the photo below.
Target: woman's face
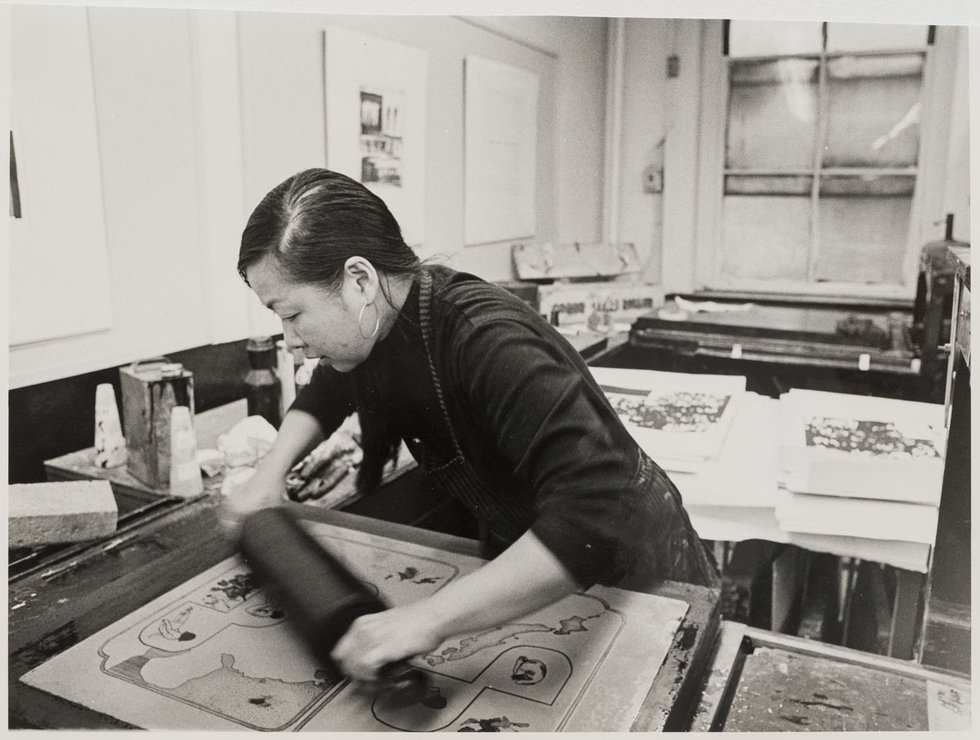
{"x": 320, "y": 322}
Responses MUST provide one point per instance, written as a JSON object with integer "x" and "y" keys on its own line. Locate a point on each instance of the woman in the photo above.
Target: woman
{"x": 496, "y": 406}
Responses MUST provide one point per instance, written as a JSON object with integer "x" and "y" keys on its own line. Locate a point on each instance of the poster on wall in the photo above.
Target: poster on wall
{"x": 381, "y": 136}
{"x": 375, "y": 115}
{"x": 501, "y": 137}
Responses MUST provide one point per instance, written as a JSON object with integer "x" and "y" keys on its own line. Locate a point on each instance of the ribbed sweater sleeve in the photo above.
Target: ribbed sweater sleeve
{"x": 550, "y": 421}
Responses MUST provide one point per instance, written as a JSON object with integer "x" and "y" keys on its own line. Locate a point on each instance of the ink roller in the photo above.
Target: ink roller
{"x": 319, "y": 595}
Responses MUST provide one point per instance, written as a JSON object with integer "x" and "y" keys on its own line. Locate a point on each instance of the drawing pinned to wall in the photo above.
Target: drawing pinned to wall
{"x": 381, "y": 136}
{"x": 501, "y": 151}
{"x": 375, "y": 115}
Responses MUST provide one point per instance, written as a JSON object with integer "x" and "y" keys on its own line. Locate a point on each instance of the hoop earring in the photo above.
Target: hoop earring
{"x": 377, "y": 323}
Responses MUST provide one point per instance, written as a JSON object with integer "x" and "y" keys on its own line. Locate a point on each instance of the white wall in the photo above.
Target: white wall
{"x": 643, "y": 139}
{"x": 660, "y": 130}
{"x": 199, "y": 114}
{"x": 149, "y": 163}
{"x": 283, "y": 118}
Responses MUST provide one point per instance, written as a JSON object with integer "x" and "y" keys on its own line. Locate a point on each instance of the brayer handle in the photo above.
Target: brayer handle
{"x": 403, "y": 681}
{"x": 320, "y": 596}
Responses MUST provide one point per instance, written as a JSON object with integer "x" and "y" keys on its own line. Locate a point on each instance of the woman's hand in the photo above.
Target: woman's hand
{"x": 298, "y": 434}
{"x": 522, "y": 579}
{"x": 258, "y": 492}
{"x": 375, "y": 640}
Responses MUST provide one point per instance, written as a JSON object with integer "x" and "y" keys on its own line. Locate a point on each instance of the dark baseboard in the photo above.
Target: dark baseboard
{"x": 54, "y": 418}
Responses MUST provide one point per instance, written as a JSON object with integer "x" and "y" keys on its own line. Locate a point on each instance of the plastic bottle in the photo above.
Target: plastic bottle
{"x": 110, "y": 445}
{"x": 286, "y": 369}
{"x": 185, "y": 473}
{"x": 262, "y": 387}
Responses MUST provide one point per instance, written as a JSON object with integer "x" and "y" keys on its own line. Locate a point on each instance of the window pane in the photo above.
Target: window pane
{"x": 862, "y": 239}
{"x": 873, "y": 117}
{"x": 765, "y": 237}
{"x": 768, "y": 185}
{"x": 770, "y": 38}
{"x": 772, "y": 112}
{"x": 875, "y": 37}
{"x": 868, "y": 185}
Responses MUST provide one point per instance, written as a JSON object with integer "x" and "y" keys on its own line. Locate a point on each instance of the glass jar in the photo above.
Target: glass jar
{"x": 262, "y": 382}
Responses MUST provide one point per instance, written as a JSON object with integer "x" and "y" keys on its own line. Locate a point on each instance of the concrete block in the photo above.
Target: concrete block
{"x": 52, "y": 513}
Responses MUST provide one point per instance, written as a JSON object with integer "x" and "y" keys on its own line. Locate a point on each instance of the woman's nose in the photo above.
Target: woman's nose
{"x": 290, "y": 337}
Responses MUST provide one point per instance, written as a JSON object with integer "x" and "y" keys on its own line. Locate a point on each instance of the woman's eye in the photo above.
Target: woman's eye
{"x": 289, "y": 318}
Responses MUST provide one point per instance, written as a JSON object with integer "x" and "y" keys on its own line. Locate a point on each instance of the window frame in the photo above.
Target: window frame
{"x": 939, "y": 66}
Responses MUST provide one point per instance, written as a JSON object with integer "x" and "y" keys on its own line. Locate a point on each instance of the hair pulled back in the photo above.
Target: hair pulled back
{"x": 313, "y": 222}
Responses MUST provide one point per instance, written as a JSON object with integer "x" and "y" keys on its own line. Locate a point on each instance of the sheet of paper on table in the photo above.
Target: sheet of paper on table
{"x": 839, "y": 444}
{"x": 736, "y": 494}
{"x": 680, "y": 419}
{"x": 856, "y": 517}
{"x": 218, "y": 654}
{"x": 745, "y": 473}
{"x": 860, "y": 466}
{"x": 731, "y": 524}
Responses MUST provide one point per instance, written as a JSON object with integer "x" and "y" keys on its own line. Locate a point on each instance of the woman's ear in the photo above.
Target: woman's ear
{"x": 361, "y": 277}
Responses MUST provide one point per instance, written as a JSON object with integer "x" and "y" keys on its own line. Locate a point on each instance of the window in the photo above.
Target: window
{"x": 816, "y": 161}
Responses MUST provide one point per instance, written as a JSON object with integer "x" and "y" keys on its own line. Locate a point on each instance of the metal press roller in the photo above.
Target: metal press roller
{"x": 320, "y": 596}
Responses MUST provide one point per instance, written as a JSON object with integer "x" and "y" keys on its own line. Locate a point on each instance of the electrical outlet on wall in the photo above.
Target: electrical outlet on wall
{"x": 653, "y": 180}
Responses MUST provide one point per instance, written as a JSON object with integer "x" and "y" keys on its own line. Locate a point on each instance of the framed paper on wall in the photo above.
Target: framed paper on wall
{"x": 375, "y": 115}
{"x": 59, "y": 259}
{"x": 501, "y": 137}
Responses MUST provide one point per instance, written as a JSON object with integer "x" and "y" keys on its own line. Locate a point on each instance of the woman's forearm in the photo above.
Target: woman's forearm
{"x": 522, "y": 579}
{"x": 299, "y": 433}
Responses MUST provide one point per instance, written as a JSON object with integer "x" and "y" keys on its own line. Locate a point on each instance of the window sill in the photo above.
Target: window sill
{"x": 897, "y": 303}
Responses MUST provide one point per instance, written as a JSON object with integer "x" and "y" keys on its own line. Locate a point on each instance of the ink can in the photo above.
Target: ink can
{"x": 150, "y": 391}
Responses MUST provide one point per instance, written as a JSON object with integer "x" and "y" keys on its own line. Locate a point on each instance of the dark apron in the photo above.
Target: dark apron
{"x": 502, "y": 521}
{"x": 674, "y": 551}
{"x": 671, "y": 549}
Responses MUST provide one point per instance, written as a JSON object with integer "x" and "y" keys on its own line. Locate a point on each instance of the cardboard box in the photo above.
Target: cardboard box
{"x": 599, "y": 303}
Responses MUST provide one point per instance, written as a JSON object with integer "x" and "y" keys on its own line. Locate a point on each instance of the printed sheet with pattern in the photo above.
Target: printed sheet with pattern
{"x": 218, "y": 654}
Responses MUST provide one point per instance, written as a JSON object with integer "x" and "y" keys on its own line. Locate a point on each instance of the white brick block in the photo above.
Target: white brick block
{"x": 51, "y": 513}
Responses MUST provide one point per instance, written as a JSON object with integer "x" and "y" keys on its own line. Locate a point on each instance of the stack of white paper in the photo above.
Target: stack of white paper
{"x": 680, "y": 420}
{"x": 856, "y": 517}
{"x": 745, "y": 473}
{"x": 860, "y": 466}
{"x": 732, "y": 524}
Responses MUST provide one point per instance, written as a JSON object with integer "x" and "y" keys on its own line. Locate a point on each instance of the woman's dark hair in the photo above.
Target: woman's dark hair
{"x": 317, "y": 219}
{"x": 311, "y": 224}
